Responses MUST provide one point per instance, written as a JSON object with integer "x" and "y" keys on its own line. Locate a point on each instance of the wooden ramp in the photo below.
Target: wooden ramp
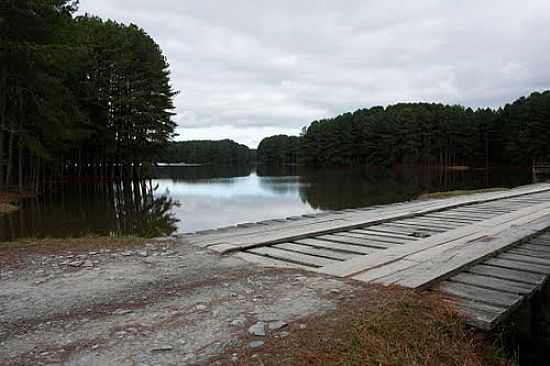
{"x": 422, "y": 244}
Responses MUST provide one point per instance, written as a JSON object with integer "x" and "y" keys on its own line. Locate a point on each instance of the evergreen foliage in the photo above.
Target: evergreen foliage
{"x": 279, "y": 150}
{"x": 78, "y": 96}
{"x": 224, "y": 152}
{"x": 422, "y": 133}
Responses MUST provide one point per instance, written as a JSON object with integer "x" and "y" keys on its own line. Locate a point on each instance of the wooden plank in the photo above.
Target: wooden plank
{"x": 377, "y": 272}
{"x": 455, "y": 215}
{"x": 493, "y": 283}
{"x": 529, "y": 252}
{"x": 414, "y": 228}
{"x": 525, "y": 258}
{"x": 479, "y": 294}
{"x": 269, "y": 262}
{"x": 437, "y": 221}
{"x": 450, "y": 218}
{"x": 478, "y": 210}
{"x": 471, "y": 214}
{"x": 527, "y": 267}
{"x": 371, "y": 237}
{"x": 508, "y": 274}
{"x": 306, "y": 249}
{"x": 356, "y": 241}
{"x": 403, "y": 230}
{"x": 470, "y": 232}
{"x": 384, "y": 234}
{"x": 480, "y": 315}
{"x": 303, "y": 259}
{"x": 440, "y": 262}
{"x": 398, "y": 232}
{"x": 539, "y": 240}
{"x": 273, "y": 234}
{"x": 429, "y": 223}
{"x": 345, "y": 248}
{"x": 482, "y": 214}
{"x": 536, "y": 247}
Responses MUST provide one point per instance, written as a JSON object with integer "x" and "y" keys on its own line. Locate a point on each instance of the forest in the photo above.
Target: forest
{"x": 79, "y": 96}
{"x": 421, "y": 133}
{"x": 223, "y": 152}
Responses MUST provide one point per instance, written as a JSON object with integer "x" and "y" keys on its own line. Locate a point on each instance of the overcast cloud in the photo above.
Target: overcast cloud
{"x": 249, "y": 69}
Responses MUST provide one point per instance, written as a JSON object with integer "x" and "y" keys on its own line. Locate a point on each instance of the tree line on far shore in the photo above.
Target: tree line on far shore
{"x": 421, "y": 133}
{"x": 222, "y": 152}
{"x": 78, "y": 95}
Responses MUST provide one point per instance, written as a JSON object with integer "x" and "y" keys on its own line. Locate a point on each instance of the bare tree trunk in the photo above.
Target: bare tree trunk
{"x": 3, "y": 124}
{"x": 10, "y": 155}
{"x": 20, "y": 165}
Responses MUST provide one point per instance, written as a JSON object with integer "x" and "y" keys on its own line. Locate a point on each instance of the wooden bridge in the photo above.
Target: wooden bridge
{"x": 488, "y": 252}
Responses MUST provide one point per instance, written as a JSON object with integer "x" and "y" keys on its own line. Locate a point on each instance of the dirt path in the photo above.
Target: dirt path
{"x": 166, "y": 303}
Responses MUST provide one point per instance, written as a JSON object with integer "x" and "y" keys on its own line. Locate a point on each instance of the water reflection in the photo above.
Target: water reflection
{"x": 212, "y": 197}
{"x": 123, "y": 208}
{"x": 352, "y": 188}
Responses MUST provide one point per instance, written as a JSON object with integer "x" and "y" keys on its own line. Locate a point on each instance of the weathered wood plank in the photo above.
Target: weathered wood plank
{"x": 427, "y": 223}
{"x": 371, "y": 237}
{"x": 435, "y": 221}
{"x": 464, "y": 215}
{"x": 356, "y": 241}
{"x": 480, "y": 315}
{"x": 414, "y": 228}
{"x": 451, "y": 218}
{"x": 269, "y": 262}
{"x": 345, "y": 248}
{"x": 516, "y": 275}
{"x": 529, "y": 252}
{"x": 534, "y": 247}
{"x": 459, "y": 236}
{"x": 393, "y": 231}
{"x": 383, "y": 234}
{"x": 303, "y": 259}
{"x": 493, "y": 283}
{"x": 527, "y": 267}
{"x": 525, "y": 258}
{"x": 437, "y": 263}
{"x": 480, "y": 295}
{"x": 306, "y": 249}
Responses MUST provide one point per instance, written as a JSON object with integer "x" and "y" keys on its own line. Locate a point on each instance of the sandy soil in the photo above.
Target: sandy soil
{"x": 164, "y": 303}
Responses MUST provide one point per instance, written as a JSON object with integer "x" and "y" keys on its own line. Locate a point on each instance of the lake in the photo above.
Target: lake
{"x": 188, "y": 199}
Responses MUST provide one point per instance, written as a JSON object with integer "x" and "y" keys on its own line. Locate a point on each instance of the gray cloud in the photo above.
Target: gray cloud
{"x": 247, "y": 69}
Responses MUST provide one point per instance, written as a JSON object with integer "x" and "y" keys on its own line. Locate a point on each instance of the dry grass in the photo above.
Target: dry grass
{"x": 439, "y": 195}
{"x": 399, "y": 327}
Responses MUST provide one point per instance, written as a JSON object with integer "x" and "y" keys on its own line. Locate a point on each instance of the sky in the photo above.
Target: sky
{"x": 247, "y": 69}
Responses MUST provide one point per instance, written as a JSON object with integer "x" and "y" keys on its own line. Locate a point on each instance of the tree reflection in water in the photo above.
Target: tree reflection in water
{"x": 118, "y": 208}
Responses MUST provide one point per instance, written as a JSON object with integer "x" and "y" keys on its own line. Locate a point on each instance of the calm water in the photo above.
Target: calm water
{"x": 191, "y": 199}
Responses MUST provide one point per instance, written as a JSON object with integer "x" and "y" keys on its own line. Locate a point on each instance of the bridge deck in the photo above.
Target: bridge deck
{"x": 460, "y": 246}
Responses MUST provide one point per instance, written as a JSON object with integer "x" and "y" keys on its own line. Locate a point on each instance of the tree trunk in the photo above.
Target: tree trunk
{"x": 10, "y": 155}
{"x": 20, "y": 167}
{"x": 3, "y": 124}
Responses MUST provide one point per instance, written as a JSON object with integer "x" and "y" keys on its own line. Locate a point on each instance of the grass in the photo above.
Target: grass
{"x": 399, "y": 327}
{"x": 439, "y": 195}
